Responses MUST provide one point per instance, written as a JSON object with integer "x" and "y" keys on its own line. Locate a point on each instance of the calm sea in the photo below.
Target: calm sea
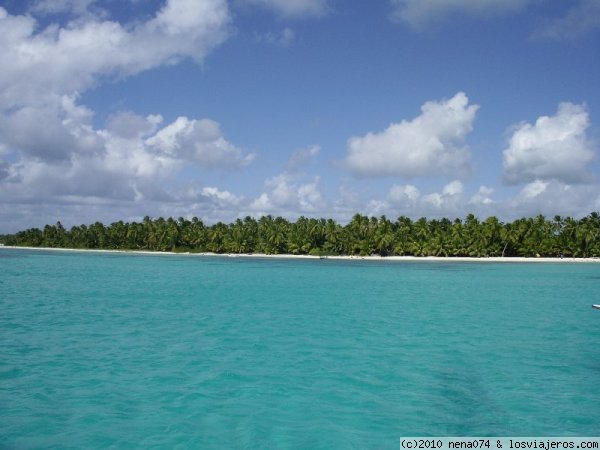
{"x": 135, "y": 351}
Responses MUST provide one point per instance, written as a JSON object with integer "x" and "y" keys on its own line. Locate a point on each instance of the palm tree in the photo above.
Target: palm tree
{"x": 333, "y": 238}
{"x": 587, "y": 234}
{"x": 440, "y": 243}
{"x": 358, "y": 229}
{"x": 384, "y": 237}
{"x": 492, "y": 241}
{"x": 420, "y": 236}
{"x": 298, "y": 237}
{"x": 402, "y": 235}
{"x": 362, "y": 235}
{"x": 236, "y": 241}
{"x": 316, "y": 233}
{"x": 277, "y": 237}
{"x": 216, "y": 238}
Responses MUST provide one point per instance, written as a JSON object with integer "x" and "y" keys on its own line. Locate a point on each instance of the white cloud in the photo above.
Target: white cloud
{"x": 408, "y": 201}
{"x": 219, "y": 199}
{"x": 209, "y": 202}
{"x": 54, "y": 155}
{"x": 40, "y": 65}
{"x": 50, "y": 132}
{"x": 221, "y": 196}
{"x": 551, "y": 198}
{"x": 482, "y": 197}
{"x": 430, "y": 144}
{"x": 291, "y": 9}
{"x": 453, "y": 188}
{"x": 38, "y": 133}
{"x": 135, "y": 165}
{"x": 286, "y": 195}
{"x": 128, "y": 125}
{"x": 580, "y": 20}
{"x": 403, "y": 196}
{"x": 43, "y": 69}
{"x": 448, "y": 199}
{"x": 199, "y": 141}
{"x": 346, "y": 204}
{"x": 422, "y": 13}
{"x": 555, "y": 147}
{"x": 538, "y": 197}
{"x": 533, "y": 190}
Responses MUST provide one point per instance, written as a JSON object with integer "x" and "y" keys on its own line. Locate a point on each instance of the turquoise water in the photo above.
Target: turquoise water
{"x": 133, "y": 351}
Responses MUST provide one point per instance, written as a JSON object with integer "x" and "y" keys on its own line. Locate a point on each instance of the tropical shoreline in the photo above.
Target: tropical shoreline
{"x": 485, "y": 259}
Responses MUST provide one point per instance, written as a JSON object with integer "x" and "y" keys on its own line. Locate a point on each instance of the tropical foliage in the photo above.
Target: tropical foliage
{"x": 536, "y": 236}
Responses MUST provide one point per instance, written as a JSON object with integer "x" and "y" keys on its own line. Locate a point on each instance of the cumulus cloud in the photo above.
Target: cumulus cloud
{"x": 347, "y": 203}
{"x": 220, "y": 196}
{"x": 291, "y": 9}
{"x": 533, "y": 190}
{"x": 430, "y": 144}
{"x": 41, "y": 64}
{"x": 285, "y": 194}
{"x": 50, "y": 132}
{"x": 44, "y": 69}
{"x": 555, "y": 147}
{"x": 221, "y": 199}
{"x": 483, "y": 196}
{"x": 551, "y": 198}
{"x": 37, "y": 132}
{"x": 407, "y": 200}
{"x": 198, "y": 141}
{"x": 448, "y": 198}
{"x": 128, "y": 165}
{"x": 582, "y": 19}
{"x": 128, "y": 125}
{"x": 403, "y": 196}
{"x": 210, "y": 203}
{"x": 422, "y": 13}
{"x": 53, "y": 153}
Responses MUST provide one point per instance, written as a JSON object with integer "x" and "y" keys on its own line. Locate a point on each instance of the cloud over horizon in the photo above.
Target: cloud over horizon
{"x": 430, "y": 144}
{"x": 286, "y": 195}
{"x": 116, "y": 110}
{"x": 555, "y": 147}
{"x": 55, "y": 153}
{"x": 126, "y": 166}
{"x": 402, "y": 200}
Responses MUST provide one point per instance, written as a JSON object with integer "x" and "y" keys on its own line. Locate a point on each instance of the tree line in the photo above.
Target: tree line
{"x": 528, "y": 237}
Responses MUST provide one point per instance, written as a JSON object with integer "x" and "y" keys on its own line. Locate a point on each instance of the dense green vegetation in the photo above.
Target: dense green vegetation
{"x": 363, "y": 235}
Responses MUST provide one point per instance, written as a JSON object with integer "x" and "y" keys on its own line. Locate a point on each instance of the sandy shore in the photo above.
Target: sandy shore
{"x": 348, "y": 258}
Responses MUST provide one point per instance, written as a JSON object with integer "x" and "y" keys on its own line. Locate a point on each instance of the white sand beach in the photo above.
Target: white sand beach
{"x": 492, "y": 259}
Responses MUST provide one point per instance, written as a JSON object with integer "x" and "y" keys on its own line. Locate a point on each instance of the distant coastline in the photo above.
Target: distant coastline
{"x": 483, "y": 259}
{"x": 470, "y": 239}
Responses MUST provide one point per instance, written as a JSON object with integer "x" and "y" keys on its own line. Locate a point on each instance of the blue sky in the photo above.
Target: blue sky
{"x": 220, "y": 109}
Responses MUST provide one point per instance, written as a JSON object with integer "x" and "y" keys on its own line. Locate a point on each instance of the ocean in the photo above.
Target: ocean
{"x": 103, "y": 350}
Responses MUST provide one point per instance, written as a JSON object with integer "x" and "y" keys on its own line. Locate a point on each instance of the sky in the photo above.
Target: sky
{"x": 119, "y": 109}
